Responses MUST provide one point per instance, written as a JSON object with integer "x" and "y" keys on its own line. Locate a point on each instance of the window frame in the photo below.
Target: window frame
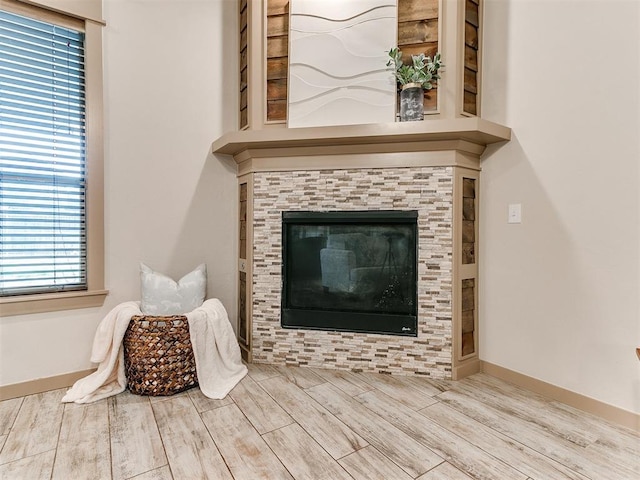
{"x": 95, "y": 293}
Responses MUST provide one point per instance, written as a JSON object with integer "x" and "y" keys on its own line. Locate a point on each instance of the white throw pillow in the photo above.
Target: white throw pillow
{"x": 161, "y": 295}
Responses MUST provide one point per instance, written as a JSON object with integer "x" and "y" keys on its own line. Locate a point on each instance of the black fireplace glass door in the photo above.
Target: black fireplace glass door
{"x": 341, "y": 266}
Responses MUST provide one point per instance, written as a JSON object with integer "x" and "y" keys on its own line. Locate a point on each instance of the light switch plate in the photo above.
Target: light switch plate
{"x": 242, "y": 265}
{"x": 515, "y": 213}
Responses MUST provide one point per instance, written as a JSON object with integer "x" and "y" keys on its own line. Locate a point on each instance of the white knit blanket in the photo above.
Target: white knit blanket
{"x": 217, "y": 354}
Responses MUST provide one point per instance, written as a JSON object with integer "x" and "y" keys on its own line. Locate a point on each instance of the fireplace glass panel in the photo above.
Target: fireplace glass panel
{"x": 353, "y": 271}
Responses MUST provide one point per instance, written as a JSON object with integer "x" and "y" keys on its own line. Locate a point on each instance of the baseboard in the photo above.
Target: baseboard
{"x": 465, "y": 369}
{"x": 42, "y": 384}
{"x": 604, "y": 410}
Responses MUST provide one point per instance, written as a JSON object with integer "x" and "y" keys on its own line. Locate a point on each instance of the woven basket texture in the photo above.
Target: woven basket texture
{"x": 158, "y": 356}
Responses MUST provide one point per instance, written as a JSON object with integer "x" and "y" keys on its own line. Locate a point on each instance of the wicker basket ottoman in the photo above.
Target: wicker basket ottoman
{"x": 158, "y": 357}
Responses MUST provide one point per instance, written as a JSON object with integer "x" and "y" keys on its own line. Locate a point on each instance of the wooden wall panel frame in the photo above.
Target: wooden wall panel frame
{"x": 463, "y": 365}
{"x": 245, "y": 266}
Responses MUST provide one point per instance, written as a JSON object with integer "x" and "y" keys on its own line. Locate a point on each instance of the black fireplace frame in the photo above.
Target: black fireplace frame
{"x": 332, "y": 320}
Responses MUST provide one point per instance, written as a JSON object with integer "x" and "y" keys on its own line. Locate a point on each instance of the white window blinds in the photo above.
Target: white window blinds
{"x": 42, "y": 157}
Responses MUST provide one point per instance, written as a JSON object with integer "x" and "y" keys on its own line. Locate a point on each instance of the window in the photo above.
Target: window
{"x": 50, "y": 225}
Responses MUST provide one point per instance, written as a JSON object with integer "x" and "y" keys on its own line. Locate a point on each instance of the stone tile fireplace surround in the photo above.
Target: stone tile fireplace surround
{"x": 430, "y": 167}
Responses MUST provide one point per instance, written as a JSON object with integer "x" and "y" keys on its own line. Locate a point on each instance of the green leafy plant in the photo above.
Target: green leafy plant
{"x": 423, "y": 70}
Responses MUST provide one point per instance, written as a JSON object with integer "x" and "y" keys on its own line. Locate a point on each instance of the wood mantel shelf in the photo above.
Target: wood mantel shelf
{"x": 474, "y": 132}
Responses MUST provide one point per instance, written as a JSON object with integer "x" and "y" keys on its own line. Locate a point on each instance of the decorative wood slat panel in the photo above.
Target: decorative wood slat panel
{"x": 468, "y": 313}
{"x": 471, "y": 35}
{"x": 421, "y": 31}
{"x": 428, "y": 48}
{"x": 470, "y": 58}
{"x": 277, "y": 110}
{"x": 243, "y": 59}
{"x": 277, "y": 89}
{"x": 469, "y": 188}
{"x": 470, "y": 81}
{"x": 277, "y": 59}
{"x": 277, "y": 7}
{"x": 243, "y": 78}
{"x": 470, "y": 103}
{"x": 244, "y": 118}
{"x": 468, "y": 253}
{"x": 468, "y": 209}
{"x": 409, "y": 10}
{"x": 243, "y": 324}
{"x": 278, "y": 46}
{"x": 468, "y": 231}
{"x": 243, "y": 99}
{"x": 467, "y": 321}
{"x": 244, "y": 30}
{"x": 277, "y": 25}
{"x": 471, "y": 13}
{"x": 243, "y": 19}
{"x": 468, "y": 301}
{"x": 243, "y": 39}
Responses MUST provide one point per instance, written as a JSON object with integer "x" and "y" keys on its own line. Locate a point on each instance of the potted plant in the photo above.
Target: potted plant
{"x": 414, "y": 78}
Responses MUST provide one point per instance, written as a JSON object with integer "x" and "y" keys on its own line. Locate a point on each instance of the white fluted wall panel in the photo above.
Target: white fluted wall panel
{"x": 337, "y": 62}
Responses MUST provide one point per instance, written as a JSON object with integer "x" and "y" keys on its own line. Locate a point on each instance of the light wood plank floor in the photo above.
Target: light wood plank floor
{"x": 297, "y": 423}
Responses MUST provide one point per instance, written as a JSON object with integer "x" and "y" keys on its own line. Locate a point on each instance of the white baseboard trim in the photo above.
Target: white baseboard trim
{"x": 604, "y": 410}
{"x": 42, "y": 384}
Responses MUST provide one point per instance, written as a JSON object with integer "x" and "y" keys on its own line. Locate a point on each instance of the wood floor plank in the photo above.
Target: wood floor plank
{"x": 35, "y": 467}
{"x": 540, "y": 438}
{"x": 261, "y": 410}
{"x": 243, "y": 449}
{"x": 445, "y": 471}
{"x": 261, "y": 372}
{"x": 302, "y": 377}
{"x": 453, "y": 448}
{"x": 399, "y": 389}
{"x": 525, "y": 405}
{"x": 350, "y": 383}
{"x": 613, "y": 440}
{"x": 189, "y": 448}
{"x": 36, "y": 427}
{"x": 83, "y": 447}
{"x": 332, "y": 434}
{"x": 162, "y": 473}
{"x": 302, "y": 456}
{"x": 136, "y": 446}
{"x": 414, "y": 458}
{"x": 8, "y": 413}
{"x": 432, "y": 386}
{"x": 204, "y": 403}
{"x": 369, "y": 464}
{"x": 520, "y": 457}
{"x": 568, "y": 453}
{"x": 163, "y": 398}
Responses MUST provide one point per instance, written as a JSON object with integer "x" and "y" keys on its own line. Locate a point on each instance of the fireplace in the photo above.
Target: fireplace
{"x": 352, "y": 271}
{"x": 431, "y": 168}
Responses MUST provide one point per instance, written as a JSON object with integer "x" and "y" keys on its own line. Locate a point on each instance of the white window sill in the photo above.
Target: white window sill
{"x": 51, "y": 302}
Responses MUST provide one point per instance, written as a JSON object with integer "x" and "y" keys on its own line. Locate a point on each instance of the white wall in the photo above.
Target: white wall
{"x": 170, "y": 90}
{"x": 560, "y": 292}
